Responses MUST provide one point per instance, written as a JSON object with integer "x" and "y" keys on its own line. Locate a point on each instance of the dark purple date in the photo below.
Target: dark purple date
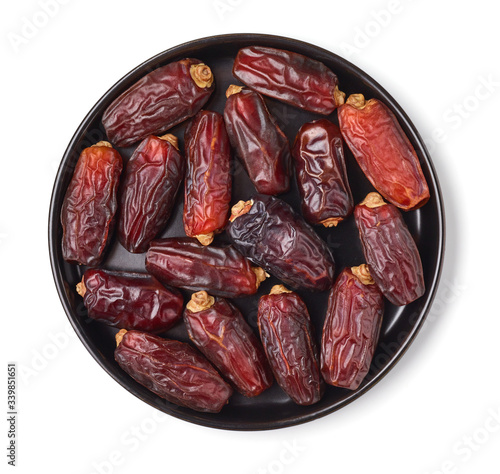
{"x": 269, "y": 232}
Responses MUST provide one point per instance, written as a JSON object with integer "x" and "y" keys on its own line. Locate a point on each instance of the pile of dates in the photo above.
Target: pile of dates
{"x": 268, "y": 237}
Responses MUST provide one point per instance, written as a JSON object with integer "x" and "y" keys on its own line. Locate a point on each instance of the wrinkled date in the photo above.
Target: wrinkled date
{"x": 389, "y": 249}
{"x": 151, "y": 180}
{"x": 259, "y": 143}
{"x": 287, "y": 335}
{"x": 161, "y": 99}
{"x": 172, "y": 370}
{"x": 383, "y": 151}
{"x": 269, "y": 232}
{"x": 321, "y": 173}
{"x": 207, "y": 192}
{"x": 184, "y": 263}
{"x": 290, "y": 77}
{"x": 90, "y": 203}
{"x": 351, "y": 328}
{"x": 221, "y": 333}
{"x": 130, "y": 300}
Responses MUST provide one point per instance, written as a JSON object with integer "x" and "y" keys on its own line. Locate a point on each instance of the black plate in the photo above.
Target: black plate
{"x": 272, "y": 409}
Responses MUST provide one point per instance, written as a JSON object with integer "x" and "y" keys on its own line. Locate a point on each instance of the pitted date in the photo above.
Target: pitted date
{"x": 290, "y": 77}
{"x": 161, "y": 99}
{"x": 185, "y": 263}
{"x": 130, "y": 300}
{"x": 152, "y": 178}
{"x": 269, "y": 232}
{"x": 90, "y": 204}
{"x": 172, "y": 370}
{"x": 383, "y": 151}
{"x": 351, "y": 328}
{"x": 207, "y": 192}
{"x": 390, "y": 251}
{"x": 221, "y": 333}
{"x": 321, "y": 173}
{"x": 287, "y": 335}
{"x": 259, "y": 143}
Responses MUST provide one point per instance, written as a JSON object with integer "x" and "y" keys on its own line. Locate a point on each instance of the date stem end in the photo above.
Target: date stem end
{"x": 200, "y": 301}
{"x": 240, "y": 208}
{"x": 172, "y": 139}
{"x": 201, "y": 75}
{"x": 279, "y": 289}
{"x": 119, "y": 336}
{"x": 373, "y": 200}
{"x": 362, "y": 273}
{"x": 81, "y": 289}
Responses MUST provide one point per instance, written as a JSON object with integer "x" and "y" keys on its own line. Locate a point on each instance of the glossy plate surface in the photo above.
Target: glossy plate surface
{"x": 272, "y": 409}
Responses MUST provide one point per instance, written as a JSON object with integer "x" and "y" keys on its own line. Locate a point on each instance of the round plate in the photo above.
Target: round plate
{"x": 273, "y": 408}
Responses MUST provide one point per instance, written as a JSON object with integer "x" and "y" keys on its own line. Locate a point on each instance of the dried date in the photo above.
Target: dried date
{"x": 351, "y": 328}
{"x": 207, "y": 192}
{"x": 130, "y": 300}
{"x": 161, "y": 99}
{"x": 221, "y": 333}
{"x": 389, "y": 249}
{"x": 269, "y": 232}
{"x": 172, "y": 370}
{"x": 321, "y": 173}
{"x": 290, "y": 77}
{"x": 259, "y": 143}
{"x": 89, "y": 206}
{"x": 287, "y": 335}
{"x": 151, "y": 181}
{"x": 184, "y": 263}
{"x": 383, "y": 151}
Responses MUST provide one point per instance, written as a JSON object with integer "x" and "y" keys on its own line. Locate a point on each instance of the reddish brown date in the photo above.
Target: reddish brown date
{"x": 268, "y": 231}
{"x": 130, "y": 300}
{"x": 290, "y": 77}
{"x": 207, "y": 192}
{"x": 259, "y": 143}
{"x": 172, "y": 370}
{"x": 151, "y": 181}
{"x": 184, "y": 263}
{"x": 321, "y": 173}
{"x": 287, "y": 335}
{"x": 383, "y": 151}
{"x": 221, "y": 333}
{"x": 161, "y": 99}
{"x": 90, "y": 203}
{"x": 389, "y": 249}
{"x": 351, "y": 328}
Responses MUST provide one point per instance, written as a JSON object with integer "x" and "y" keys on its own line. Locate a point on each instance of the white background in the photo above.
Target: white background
{"x": 438, "y": 410}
